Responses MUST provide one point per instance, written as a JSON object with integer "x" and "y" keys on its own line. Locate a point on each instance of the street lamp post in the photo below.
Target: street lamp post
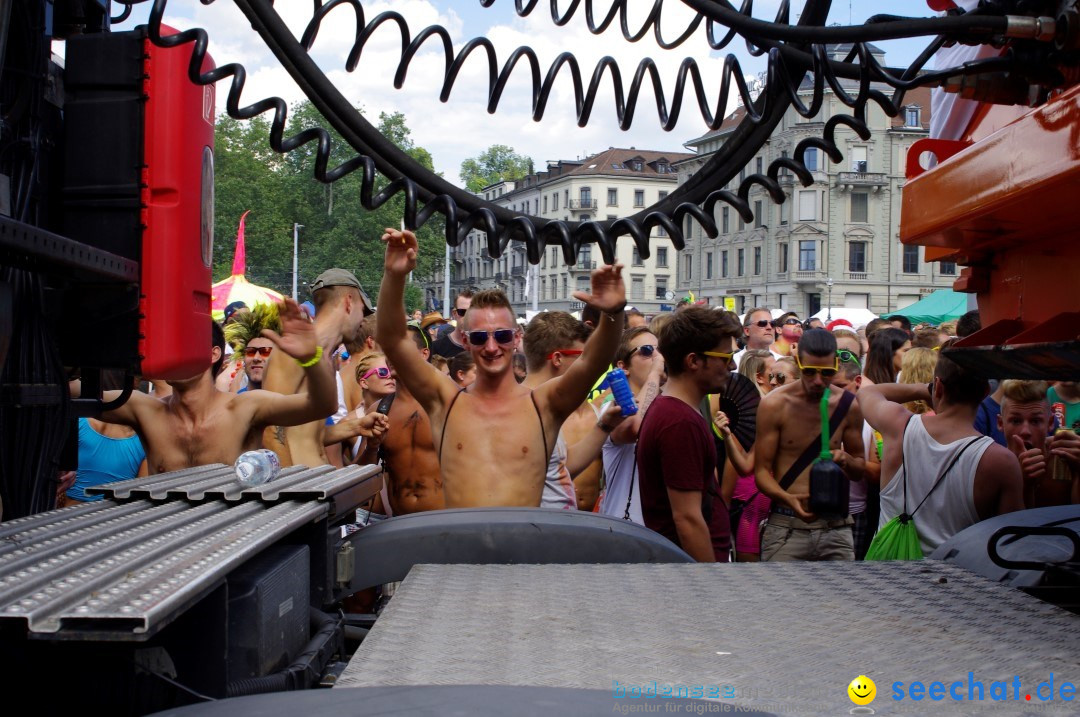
{"x": 828, "y": 311}
{"x": 295, "y": 254}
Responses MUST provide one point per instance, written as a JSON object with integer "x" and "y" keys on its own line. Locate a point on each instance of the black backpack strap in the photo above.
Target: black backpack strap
{"x": 814, "y": 449}
{"x": 946, "y": 472}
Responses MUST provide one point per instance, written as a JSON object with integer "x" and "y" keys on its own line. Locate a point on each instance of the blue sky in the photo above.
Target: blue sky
{"x": 462, "y": 128}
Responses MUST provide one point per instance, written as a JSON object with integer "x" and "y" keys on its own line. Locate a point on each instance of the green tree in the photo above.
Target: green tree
{"x": 496, "y": 163}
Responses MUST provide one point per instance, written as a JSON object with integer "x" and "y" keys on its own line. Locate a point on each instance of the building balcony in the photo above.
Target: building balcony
{"x": 471, "y": 280}
{"x": 846, "y": 181}
{"x": 517, "y": 271}
{"x": 582, "y": 205}
{"x": 587, "y": 265}
{"x": 857, "y": 276}
{"x": 808, "y": 276}
{"x": 499, "y": 276}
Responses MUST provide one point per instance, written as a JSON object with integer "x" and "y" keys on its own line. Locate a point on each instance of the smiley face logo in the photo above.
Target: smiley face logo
{"x": 862, "y": 690}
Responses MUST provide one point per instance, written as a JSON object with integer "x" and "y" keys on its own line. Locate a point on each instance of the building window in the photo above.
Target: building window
{"x": 661, "y": 287}
{"x": 723, "y": 264}
{"x": 639, "y": 197}
{"x": 759, "y": 164}
{"x": 689, "y": 267}
{"x": 912, "y": 117}
{"x": 612, "y": 197}
{"x": 759, "y": 218}
{"x": 586, "y": 197}
{"x": 724, "y": 213}
{"x": 948, "y": 268}
{"x": 857, "y": 257}
{"x": 782, "y": 265}
{"x": 565, "y": 293}
{"x": 860, "y": 207}
{"x": 543, "y": 261}
{"x": 708, "y": 265}
{"x": 807, "y": 205}
{"x": 741, "y": 266}
{"x": 807, "y": 255}
{"x": 636, "y": 260}
{"x": 911, "y": 260}
{"x": 545, "y": 205}
{"x": 661, "y": 255}
{"x": 858, "y": 159}
{"x": 637, "y": 289}
{"x": 757, "y": 261}
{"x": 810, "y": 159}
{"x": 661, "y": 196}
{"x": 554, "y": 201}
{"x": 689, "y": 227}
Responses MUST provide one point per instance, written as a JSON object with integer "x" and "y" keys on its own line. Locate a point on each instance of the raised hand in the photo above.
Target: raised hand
{"x": 401, "y": 251}
{"x": 1032, "y": 460}
{"x": 608, "y": 290}
{"x": 297, "y": 337}
{"x": 722, "y": 423}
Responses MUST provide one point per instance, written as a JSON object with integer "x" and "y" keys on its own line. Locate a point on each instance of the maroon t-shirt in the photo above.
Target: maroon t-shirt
{"x": 675, "y": 450}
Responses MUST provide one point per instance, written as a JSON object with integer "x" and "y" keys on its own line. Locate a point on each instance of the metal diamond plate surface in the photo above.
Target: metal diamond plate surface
{"x": 780, "y": 637}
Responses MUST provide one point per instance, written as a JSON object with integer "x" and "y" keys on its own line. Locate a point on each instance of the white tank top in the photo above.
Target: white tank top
{"x": 558, "y": 486}
{"x": 951, "y": 507}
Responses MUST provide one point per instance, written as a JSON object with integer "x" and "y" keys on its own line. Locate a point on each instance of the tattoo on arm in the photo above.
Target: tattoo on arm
{"x": 649, "y": 392}
{"x": 279, "y": 434}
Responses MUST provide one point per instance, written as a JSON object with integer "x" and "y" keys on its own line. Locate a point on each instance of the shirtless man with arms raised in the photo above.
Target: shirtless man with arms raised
{"x": 413, "y": 481}
{"x": 340, "y": 308}
{"x": 494, "y": 438}
{"x": 789, "y": 418}
{"x": 197, "y": 424}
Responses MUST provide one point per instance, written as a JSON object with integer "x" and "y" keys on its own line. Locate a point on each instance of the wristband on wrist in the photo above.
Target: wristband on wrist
{"x": 313, "y": 360}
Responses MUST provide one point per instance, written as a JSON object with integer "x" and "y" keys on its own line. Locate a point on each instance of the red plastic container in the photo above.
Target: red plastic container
{"x": 178, "y": 215}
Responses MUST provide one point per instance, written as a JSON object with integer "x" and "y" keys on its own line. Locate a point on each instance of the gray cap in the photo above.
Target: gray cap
{"x": 342, "y": 277}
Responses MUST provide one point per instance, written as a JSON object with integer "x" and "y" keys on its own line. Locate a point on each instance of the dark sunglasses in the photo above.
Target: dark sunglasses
{"x": 479, "y": 338}
{"x": 846, "y": 356}
{"x": 764, "y": 323}
{"x": 790, "y": 321}
{"x": 780, "y": 378}
{"x": 460, "y": 312}
{"x": 646, "y": 350}
{"x": 263, "y": 351}
{"x": 381, "y": 371}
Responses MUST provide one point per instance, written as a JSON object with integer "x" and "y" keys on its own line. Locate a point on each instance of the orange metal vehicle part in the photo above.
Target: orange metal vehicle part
{"x": 1004, "y": 203}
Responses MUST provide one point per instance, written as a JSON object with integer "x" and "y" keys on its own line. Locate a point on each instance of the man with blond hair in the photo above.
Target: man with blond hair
{"x": 494, "y": 438}
{"x": 1026, "y": 420}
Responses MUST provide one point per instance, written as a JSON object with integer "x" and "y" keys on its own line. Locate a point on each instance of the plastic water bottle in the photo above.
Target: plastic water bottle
{"x": 620, "y": 389}
{"x": 257, "y": 467}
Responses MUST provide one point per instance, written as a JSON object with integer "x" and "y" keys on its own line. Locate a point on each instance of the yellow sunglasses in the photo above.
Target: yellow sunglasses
{"x": 717, "y": 354}
{"x": 826, "y": 371}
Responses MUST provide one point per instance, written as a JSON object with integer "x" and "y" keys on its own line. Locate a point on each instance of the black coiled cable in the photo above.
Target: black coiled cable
{"x": 464, "y": 211}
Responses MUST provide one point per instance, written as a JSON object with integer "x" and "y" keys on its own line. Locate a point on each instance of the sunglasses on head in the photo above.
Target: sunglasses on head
{"x": 263, "y": 351}
{"x": 780, "y": 378}
{"x": 846, "y": 356}
{"x": 502, "y": 336}
{"x": 381, "y": 371}
{"x": 460, "y": 312}
{"x": 646, "y": 350}
{"x": 789, "y": 321}
{"x": 825, "y": 371}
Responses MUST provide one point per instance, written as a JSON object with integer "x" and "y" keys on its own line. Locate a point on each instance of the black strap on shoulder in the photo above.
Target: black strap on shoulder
{"x": 942, "y": 476}
{"x": 446, "y": 420}
{"x": 814, "y": 449}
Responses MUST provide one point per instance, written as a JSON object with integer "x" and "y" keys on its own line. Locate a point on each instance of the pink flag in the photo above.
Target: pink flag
{"x": 239, "y": 260}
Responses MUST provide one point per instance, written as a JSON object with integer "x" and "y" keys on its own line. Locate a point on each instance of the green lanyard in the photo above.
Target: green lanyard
{"x": 826, "y": 454}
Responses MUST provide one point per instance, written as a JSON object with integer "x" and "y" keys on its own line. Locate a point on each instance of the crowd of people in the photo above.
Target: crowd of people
{"x": 482, "y": 409}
